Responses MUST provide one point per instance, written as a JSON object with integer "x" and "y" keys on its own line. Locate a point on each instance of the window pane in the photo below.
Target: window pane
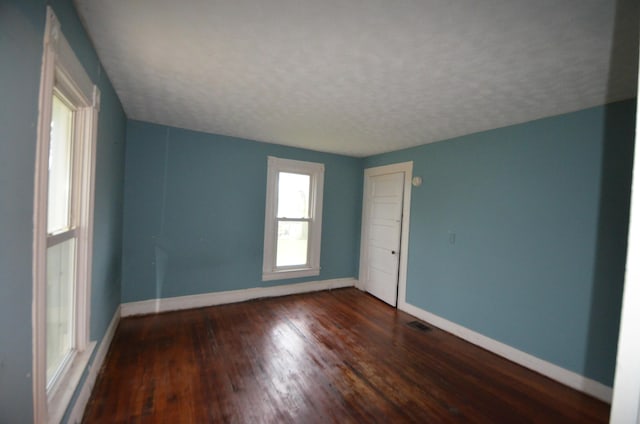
{"x": 292, "y": 243}
{"x": 293, "y": 195}
{"x": 59, "y": 166}
{"x": 60, "y": 275}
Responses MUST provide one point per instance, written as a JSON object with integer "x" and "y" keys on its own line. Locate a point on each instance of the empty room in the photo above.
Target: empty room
{"x": 297, "y": 211}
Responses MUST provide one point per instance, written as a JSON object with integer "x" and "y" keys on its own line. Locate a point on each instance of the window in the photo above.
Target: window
{"x": 61, "y": 238}
{"x": 63, "y": 219}
{"x": 293, "y": 219}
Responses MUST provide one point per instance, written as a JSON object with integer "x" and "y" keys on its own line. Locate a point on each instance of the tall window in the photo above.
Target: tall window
{"x": 293, "y": 219}
{"x": 63, "y": 219}
{"x": 61, "y": 238}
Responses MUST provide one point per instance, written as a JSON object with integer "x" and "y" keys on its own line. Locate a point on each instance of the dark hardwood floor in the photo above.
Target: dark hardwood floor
{"x": 335, "y": 356}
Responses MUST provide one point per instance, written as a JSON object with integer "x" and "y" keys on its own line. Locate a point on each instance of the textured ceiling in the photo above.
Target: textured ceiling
{"x": 360, "y": 77}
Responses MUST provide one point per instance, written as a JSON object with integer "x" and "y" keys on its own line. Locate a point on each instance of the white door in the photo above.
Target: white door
{"x": 383, "y": 200}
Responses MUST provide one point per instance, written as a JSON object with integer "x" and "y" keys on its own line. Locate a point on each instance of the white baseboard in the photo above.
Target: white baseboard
{"x": 94, "y": 368}
{"x": 219, "y": 298}
{"x": 559, "y": 374}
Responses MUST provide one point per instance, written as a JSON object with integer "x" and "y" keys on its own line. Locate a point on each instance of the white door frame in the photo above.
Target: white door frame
{"x": 625, "y": 407}
{"x": 407, "y": 168}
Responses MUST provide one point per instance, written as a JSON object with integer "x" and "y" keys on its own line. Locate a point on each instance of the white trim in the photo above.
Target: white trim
{"x": 220, "y": 298}
{"x": 60, "y": 398}
{"x": 85, "y": 392}
{"x": 88, "y": 122}
{"x": 289, "y": 273}
{"x": 559, "y": 374}
{"x": 316, "y": 190}
{"x": 40, "y": 225}
{"x": 626, "y": 397}
{"x": 407, "y": 168}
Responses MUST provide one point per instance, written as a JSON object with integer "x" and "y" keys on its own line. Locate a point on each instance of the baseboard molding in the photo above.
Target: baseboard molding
{"x": 94, "y": 368}
{"x": 559, "y": 374}
{"x": 219, "y": 298}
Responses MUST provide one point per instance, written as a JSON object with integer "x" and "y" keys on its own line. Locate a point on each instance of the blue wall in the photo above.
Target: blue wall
{"x": 194, "y": 212}
{"x": 21, "y": 34}
{"x": 540, "y": 213}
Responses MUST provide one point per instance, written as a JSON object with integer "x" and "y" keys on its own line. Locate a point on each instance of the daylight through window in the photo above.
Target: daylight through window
{"x": 293, "y": 219}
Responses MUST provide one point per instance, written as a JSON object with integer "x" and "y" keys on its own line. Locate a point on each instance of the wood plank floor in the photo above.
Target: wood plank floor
{"x": 336, "y": 356}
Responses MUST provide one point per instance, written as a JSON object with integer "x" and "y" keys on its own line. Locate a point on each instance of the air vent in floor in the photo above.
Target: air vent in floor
{"x": 419, "y": 326}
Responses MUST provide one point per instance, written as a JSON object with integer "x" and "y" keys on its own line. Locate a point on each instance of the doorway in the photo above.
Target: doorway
{"x": 385, "y": 231}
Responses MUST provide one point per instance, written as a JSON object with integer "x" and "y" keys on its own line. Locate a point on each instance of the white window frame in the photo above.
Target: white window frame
{"x": 316, "y": 171}
{"x": 62, "y": 72}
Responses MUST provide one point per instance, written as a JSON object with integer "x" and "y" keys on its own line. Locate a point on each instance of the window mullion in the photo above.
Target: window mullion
{"x": 54, "y": 239}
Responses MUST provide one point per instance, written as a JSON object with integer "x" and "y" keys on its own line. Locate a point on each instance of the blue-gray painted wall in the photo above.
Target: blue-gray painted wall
{"x": 540, "y": 215}
{"x": 21, "y": 34}
{"x": 194, "y": 212}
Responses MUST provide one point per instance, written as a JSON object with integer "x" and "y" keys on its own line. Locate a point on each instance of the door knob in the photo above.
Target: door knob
{"x": 393, "y": 252}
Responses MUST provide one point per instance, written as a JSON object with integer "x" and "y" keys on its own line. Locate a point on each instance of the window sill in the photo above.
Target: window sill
{"x": 290, "y": 273}
{"x": 60, "y": 398}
